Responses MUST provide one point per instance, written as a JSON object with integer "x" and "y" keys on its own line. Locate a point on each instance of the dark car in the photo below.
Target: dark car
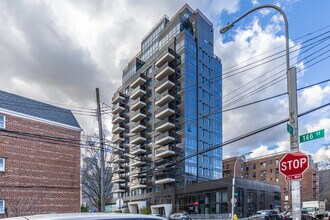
{"x": 265, "y": 215}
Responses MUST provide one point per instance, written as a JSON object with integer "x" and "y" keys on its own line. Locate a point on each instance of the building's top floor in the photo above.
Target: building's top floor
{"x": 12, "y": 104}
{"x": 164, "y": 30}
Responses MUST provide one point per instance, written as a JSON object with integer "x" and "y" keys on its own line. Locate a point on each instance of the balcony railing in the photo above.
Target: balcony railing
{"x": 165, "y": 111}
{"x": 118, "y": 178}
{"x": 138, "y": 92}
{"x": 117, "y": 128}
{"x": 164, "y": 84}
{"x": 165, "y": 98}
{"x": 118, "y": 159}
{"x": 118, "y": 169}
{"x": 138, "y": 103}
{"x": 165, "y": 124}
{"x": 137, "y": 127}
{"x": 138, "y": 80}
{"x": 137, "y": 162}
{"x": 164, "y": 57}
{"x": 164, "y": 151}
{"x": 165, "y": 70}
{"x": 117, "y": 119}
{"x": 138, "y": 149}
{"x": 165, "y": 138}
{"x": 117, "y": 97}
{"x": 138, "y": 172}
{"x": 117, "y": 138}
{"x": 165, "y": 178}
{"x": 138, "y": 139}
{"x": 118, "y": 108}
{"x": 138, "y": 115}
{"x": 138, "y": 184}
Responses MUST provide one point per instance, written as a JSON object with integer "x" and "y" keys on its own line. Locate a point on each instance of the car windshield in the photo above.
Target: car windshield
{"x": 262, "y": 212}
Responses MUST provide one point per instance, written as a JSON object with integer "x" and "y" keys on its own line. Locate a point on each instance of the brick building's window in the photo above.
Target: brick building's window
{"x": 2, "y": 121}
{"x": 2, "y": 164}
{"x": 2, "y": 206}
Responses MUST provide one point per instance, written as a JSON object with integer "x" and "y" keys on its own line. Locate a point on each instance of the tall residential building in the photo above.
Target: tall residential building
{"x": 266, "y": 169}
{"x": 168, "y": 107}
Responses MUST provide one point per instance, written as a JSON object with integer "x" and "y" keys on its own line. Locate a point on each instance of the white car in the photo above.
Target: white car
{"x": 89, "y": 216}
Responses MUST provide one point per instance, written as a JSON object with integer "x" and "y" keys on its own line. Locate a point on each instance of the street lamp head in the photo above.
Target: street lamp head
{"x": 225, "y": 29}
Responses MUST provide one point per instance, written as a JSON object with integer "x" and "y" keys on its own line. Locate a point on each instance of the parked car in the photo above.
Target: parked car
{"x": 89, "y": 216}
{"x": 288, "y": 215}
{"x": 180, "y": 216}
{"x": 265, "y": 215}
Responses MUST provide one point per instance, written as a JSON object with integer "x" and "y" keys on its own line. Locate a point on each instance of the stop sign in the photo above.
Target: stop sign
{"x": 293, "y": 165}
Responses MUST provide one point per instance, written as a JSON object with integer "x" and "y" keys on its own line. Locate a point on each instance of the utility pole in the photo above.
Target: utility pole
{"x": 99, "y": 118}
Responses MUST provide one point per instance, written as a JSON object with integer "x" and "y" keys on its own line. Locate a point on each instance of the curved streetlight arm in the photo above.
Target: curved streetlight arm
{"x": 230, "y": 25}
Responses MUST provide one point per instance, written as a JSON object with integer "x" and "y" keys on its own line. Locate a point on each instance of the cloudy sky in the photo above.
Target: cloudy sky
{"x": 60, "y": 51}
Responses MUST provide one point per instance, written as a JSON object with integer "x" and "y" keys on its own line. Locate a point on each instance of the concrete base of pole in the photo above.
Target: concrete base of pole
{"x": 296, "y": 206}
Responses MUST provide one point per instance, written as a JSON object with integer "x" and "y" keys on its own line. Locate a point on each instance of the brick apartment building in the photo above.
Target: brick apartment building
{"x": 39, "y": 158}
{"x": 325, "y": 187}
{"x": 266, "y": 169}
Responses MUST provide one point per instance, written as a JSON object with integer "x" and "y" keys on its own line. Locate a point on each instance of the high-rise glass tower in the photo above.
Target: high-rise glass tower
{"x": 167, "y": 108}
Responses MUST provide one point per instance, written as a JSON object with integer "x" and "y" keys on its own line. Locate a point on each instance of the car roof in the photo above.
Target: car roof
{"x": 90, "y": 216}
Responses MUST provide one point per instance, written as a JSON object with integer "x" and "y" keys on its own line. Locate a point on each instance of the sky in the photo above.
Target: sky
{"x": 60, "y": 51}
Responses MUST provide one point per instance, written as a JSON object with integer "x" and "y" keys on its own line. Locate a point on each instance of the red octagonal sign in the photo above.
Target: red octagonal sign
{"x": 293, "y": 165}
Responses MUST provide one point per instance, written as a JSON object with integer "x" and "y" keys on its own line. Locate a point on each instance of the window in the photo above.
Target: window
{"x": 276, "y": 162}
{"x": 254, "y": 166}
{"x": 277, "y": 179}
{"x": 263, "y": 165}
{"x": 2, "y": 206}
{"x": 126, "y": 90}
{"x": 2, "y": 164}
{"x": 2, "y": 121}
{"x": 262, "y": 173}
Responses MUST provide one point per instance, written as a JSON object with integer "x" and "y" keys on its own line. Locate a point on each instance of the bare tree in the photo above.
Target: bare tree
{"x": 91, "y": 174}
{"x": 325, "y": 162}
{"x": 23, "y": 204}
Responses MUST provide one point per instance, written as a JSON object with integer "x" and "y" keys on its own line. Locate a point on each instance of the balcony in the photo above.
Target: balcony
{"x": 140, "y": 80}
{"x": 137, "y": 150}
{"x": 138, "y": 184}
{"x": 165, "y": 111}
{"x": 138, "y": 139}
{"x": 165, "y": 70}
{"x": 138, "y": 115}
{"x": 118, "y": 159}
{"x": 117, "y": 149}
{"x": 137, "y": 162}
{"x": 117, "y": 128}
{"x": 164, "y": 152}
{"x": 117, "y": 138}
{"x": 137, "y": 104}
{"x": 117, "y": 119}
{"x": 165, "y": 178}
{"x": 164, "y": 84}
{"x": 165, "y": 138}
{"x": 138, "y": 172}
{"x": 166, "y": 56}
{"x": 165, "y": 98}
{"x": 119, "y": 188}
{"x": 118, "y": 178}
{"x": 117, "y": 97}
{"x": 138, "y": 92}
{"x": 117, "y": 108}
{"x": 118, "y": 169}
{"x": 165, "y": 124}
{"x": 137, "y": 127}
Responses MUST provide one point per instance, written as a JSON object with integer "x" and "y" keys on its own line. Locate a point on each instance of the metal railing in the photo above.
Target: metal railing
{"x": 169, "y": 105}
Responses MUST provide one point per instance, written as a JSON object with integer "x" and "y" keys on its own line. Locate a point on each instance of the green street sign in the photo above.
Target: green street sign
{"x": 311, "y": 136}
{"x": 236, "y": 194}
{"x": 289, "y": 129}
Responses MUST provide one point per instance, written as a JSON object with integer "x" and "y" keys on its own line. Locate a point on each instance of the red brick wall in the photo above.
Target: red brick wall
{"x": 40, "y": 177}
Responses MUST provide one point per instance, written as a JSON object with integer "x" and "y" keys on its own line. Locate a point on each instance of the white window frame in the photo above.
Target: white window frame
{"x": 4, "y": 164}
{"x": 3, "y": 203}
{"x": 4, "y": 121}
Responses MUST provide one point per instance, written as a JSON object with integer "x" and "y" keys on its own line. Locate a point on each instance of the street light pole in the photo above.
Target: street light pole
{"x": 293, "y": 104}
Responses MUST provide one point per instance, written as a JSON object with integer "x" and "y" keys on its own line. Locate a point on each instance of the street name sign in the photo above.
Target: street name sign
{"x": 311, "y": 136}
{"x": 289, "y": 129}
{"x": 293, "y": 165}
